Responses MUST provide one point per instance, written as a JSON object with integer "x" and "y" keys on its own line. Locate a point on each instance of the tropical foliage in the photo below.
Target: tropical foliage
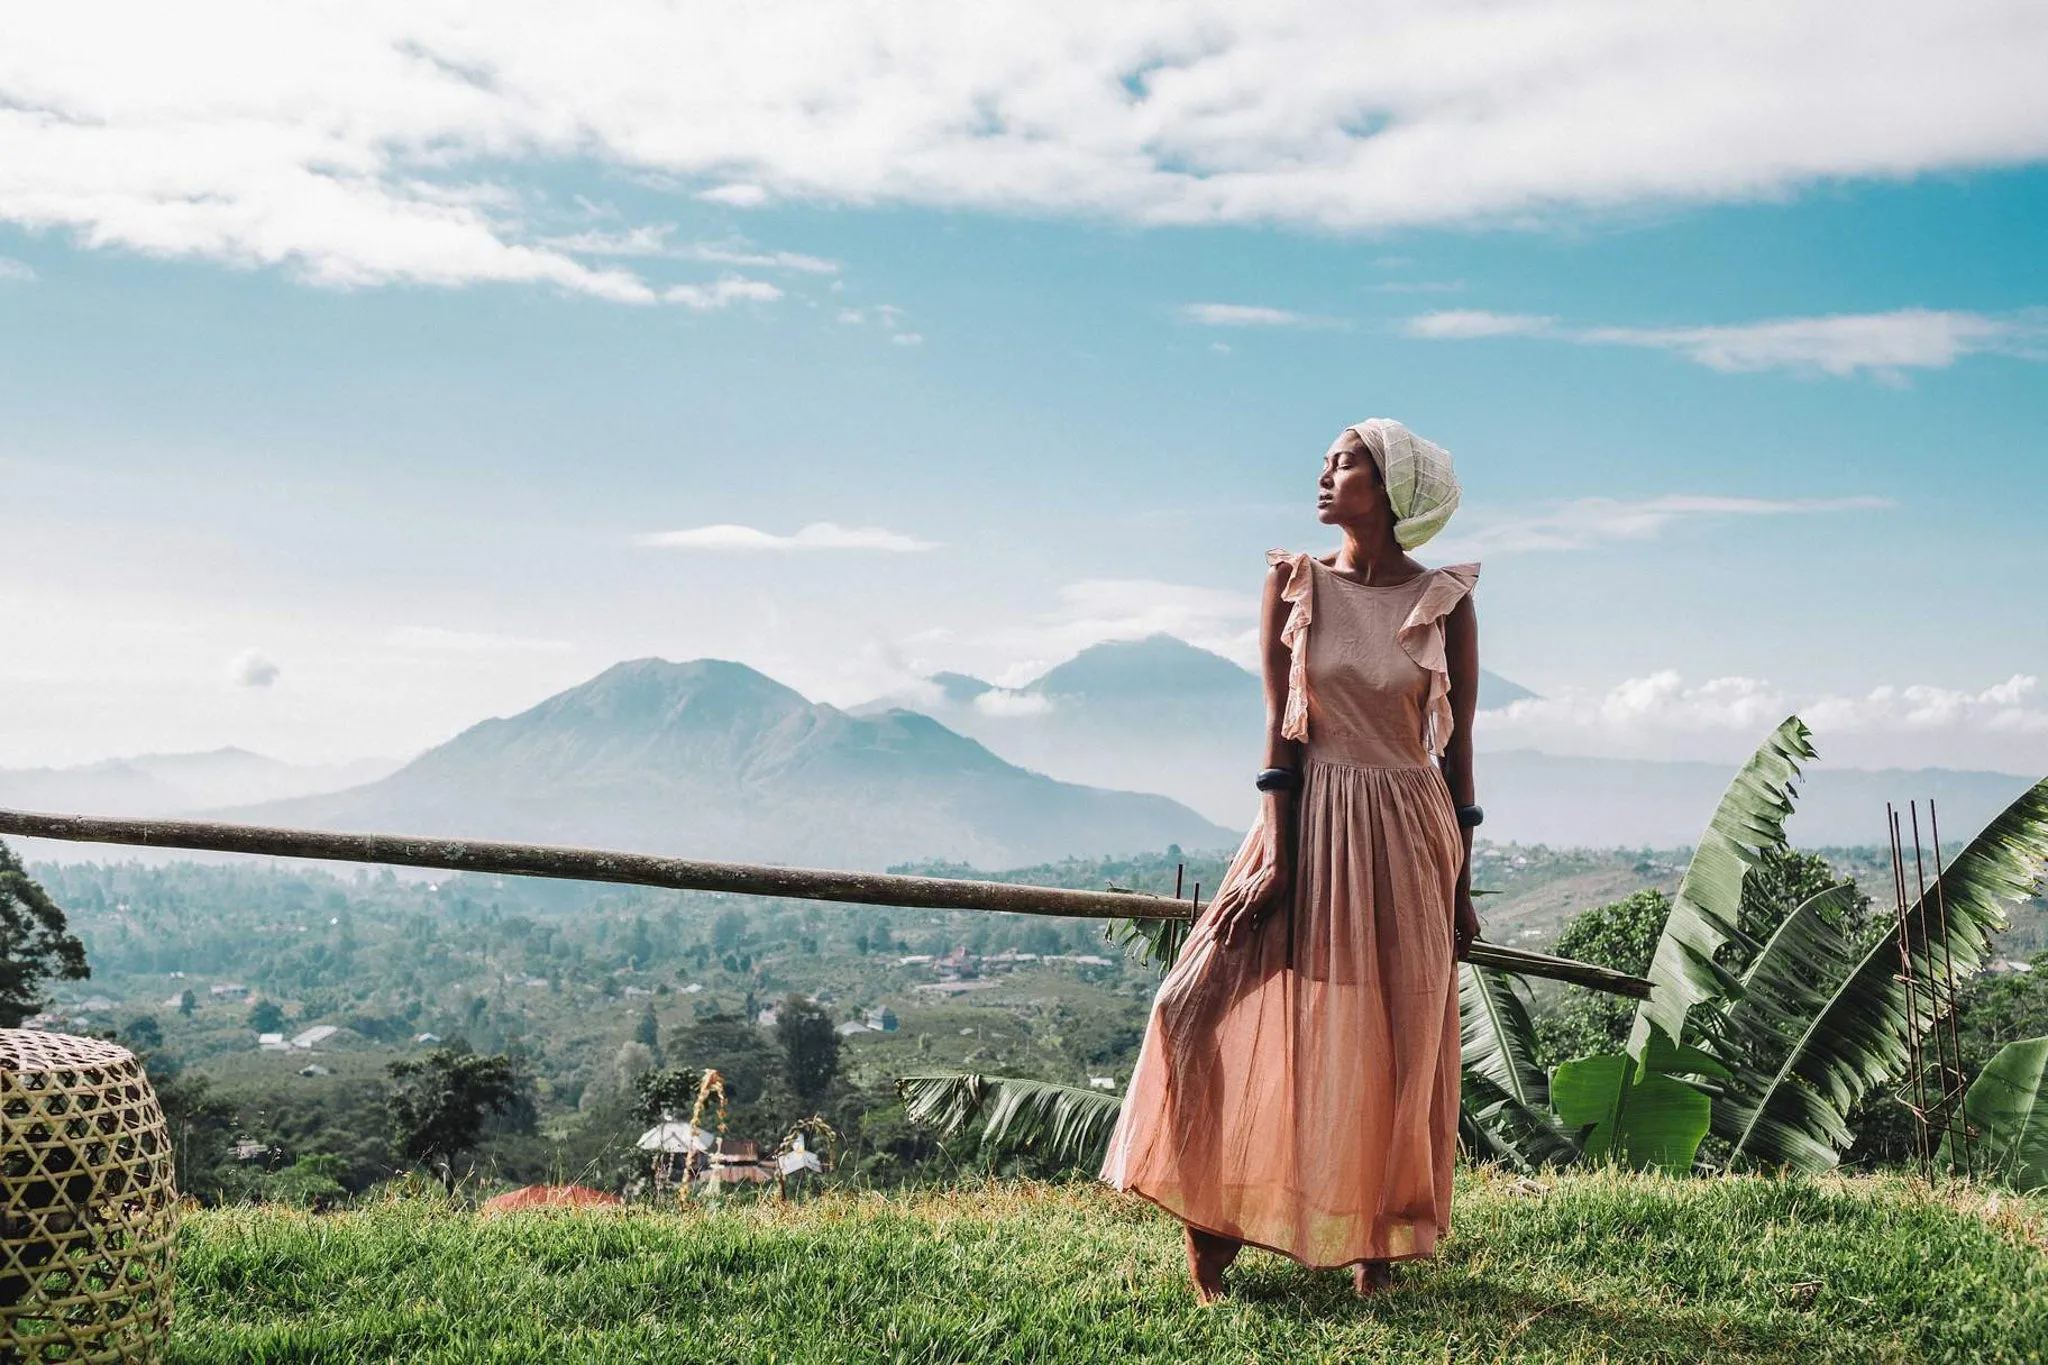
{"x": 36, "y": 944}
{"x": 2007, "y": 1110}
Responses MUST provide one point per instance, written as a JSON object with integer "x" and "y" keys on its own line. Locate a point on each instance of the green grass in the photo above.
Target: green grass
{"x": 1597, "y": 1267}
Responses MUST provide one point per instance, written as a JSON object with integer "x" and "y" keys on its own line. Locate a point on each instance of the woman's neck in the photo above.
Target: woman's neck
{"x": 1370, "y": 560}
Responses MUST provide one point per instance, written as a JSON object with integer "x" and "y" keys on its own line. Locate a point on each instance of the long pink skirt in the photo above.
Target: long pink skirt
{"x": 1298, "y": 1090}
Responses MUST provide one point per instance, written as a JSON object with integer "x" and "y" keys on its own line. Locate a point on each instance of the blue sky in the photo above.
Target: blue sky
{"x": 1746, "y": 422}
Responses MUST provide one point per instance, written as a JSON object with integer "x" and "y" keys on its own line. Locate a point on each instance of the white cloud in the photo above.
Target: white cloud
{"x": 819, "y": 535}
{"x": 738, "y": 196}
{"x": 1884, "y": 344}
{"x": 721, "y": 293}
{"x": 1245, "y": 315}
{"x": 16, "y": 272}
{"x": 378, "y": 142}
{"x": 1466, "y": 323}
{"x": 1581, "y": 522}
{"x": 471, "y": 641}
{"x": 908, "y": 338}
{"x": 2001, "y": 727}
{"x": 652, "y": 240}
{"x": 1010, "y": 705}
{"x": 252, "y": 668}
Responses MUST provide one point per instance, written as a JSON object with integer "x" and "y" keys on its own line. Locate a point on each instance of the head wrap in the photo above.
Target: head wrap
{"x": 1421, "y": 488}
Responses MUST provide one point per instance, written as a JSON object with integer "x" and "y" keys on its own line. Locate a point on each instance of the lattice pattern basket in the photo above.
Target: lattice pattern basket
{"x": 86, "y": 1175}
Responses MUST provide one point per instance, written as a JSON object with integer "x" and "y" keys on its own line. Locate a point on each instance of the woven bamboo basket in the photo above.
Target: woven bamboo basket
{"x": 85, "y": 1230}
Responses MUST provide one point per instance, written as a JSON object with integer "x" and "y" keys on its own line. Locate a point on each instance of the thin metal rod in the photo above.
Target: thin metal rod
{"x": 1948, "y": 969}
{"x": 1914, "y": 1080}
{"x": 681, "y": 874}
{"x": 1934, "y": 1001}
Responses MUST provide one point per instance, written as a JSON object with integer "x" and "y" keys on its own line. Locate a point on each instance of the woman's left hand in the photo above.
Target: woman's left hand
{"x": 1465, "y": 925}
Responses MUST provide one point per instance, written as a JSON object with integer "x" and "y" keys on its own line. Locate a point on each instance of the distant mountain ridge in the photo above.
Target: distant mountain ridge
{"x": 177, "y": 784}
{"x": 714, "y": 759}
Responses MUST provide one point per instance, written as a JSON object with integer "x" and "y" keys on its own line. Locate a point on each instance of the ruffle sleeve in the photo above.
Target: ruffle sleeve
{"x": 1422, "y": 636}
{"x": 1298, "y": 590}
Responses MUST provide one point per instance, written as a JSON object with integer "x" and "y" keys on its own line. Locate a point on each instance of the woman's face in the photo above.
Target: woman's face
{"x": 1350, "y": 492}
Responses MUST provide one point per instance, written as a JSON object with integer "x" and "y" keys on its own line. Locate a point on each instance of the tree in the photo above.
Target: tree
{"x": 266, "y": 1017}
{"x": 731, "y": 1044}
{"x": 1621, "y": 934}
{"x": 142, "y": 1034}
{"x": 648, "y": 1030}
{"x": 439, "y": 1104}
{"x": 187, "y": 1003}
{"x": 810, "y": 1047}
{"x": 36, "y": 945}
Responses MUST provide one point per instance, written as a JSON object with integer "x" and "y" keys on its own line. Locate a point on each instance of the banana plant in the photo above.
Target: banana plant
{"x": 1819, "y": 1022}
{"x": 1748, "y": 822}
{"x": 2007, "y": 1109}
{"x": 1506, "y": 1094}
{"x": 1065, "y": 1124}
{"x": 1646, "y": 1111}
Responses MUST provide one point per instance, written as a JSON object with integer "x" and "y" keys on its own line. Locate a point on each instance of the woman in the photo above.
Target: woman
{"x": 1297, "y": 1088}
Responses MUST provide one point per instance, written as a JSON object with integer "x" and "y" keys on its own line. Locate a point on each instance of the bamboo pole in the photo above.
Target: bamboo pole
{"x": 685, "y": 874}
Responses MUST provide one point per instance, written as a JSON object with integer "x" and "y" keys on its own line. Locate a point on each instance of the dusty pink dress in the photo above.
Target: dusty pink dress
{"x": 1299, "y": 1089}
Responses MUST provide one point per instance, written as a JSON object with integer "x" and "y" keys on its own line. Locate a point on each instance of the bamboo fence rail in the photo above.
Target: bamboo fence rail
{"x": 686, "y": 874}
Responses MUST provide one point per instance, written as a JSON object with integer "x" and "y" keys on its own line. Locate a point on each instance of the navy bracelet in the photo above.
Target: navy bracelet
{"x": 1277, "y": 779}
{"x": 1468, "y": 816}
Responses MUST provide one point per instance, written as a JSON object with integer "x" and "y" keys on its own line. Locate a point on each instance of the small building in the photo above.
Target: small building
{"x": 914, "y": 960}
{"x": 797, "y": 1158}
{"x": 272, "y": 1042}
{"x": 249, "y": 1151}
{"x": 882, "y": 1020}
{"x": 767, "y": 1017}
{"x": 319, "y": 1033}
{"x": 851, "y": 1027}
{"x": 314, "y": 1069}
{"x": 429, "y": 1039}
{"x": 1102, "y": 1082}
{"x": 228, "y": 990}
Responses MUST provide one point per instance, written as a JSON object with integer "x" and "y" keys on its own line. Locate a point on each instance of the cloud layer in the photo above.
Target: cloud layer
{"x": 1581, "y": 523}
{"x": 380, "y": 142}
{"x": 2002, "y": 727}
{"x": 819, "y": 535}
{"x": 1884, "y": 344}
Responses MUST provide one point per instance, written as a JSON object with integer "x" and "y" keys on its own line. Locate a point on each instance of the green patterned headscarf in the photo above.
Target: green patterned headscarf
{"x": 1421, "y": 487}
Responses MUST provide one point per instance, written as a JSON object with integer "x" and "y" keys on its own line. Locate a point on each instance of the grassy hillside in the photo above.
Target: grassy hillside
{"x": 1604, "y": 1267}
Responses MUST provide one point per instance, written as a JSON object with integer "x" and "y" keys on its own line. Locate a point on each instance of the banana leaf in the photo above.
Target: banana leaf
{"x": 1749, "y": 820}
{"x": 1819, "y": 1026}
{"x": 1639, "y": 1112}
{"x": 2007, "y": 1112}
{"x": 1059, "y": 1123}
{"x": 1506, "y": 1096}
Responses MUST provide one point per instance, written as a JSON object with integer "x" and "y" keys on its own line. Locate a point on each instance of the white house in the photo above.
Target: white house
{"x": 319, "y": 1033}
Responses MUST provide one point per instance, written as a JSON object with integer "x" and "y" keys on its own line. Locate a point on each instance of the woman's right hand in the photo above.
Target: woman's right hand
{"x": 1263, "y": 889}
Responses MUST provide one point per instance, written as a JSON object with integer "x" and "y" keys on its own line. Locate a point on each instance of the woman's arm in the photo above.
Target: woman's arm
{"x": 1461, "y": 649}
{"x": 1268, "y": 886}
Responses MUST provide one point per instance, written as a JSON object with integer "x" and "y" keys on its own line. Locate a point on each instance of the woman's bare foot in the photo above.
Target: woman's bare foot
{"x": 1370, "y": 1277}
{"x": 1208, "y": 1256}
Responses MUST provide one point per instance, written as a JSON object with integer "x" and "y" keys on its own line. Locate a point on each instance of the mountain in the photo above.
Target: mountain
{"x": 1154, "y": 715}
{"x": 1536, "y": 798}
{"x": 714, "y": 760}
{"x": 176, "y": 784}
